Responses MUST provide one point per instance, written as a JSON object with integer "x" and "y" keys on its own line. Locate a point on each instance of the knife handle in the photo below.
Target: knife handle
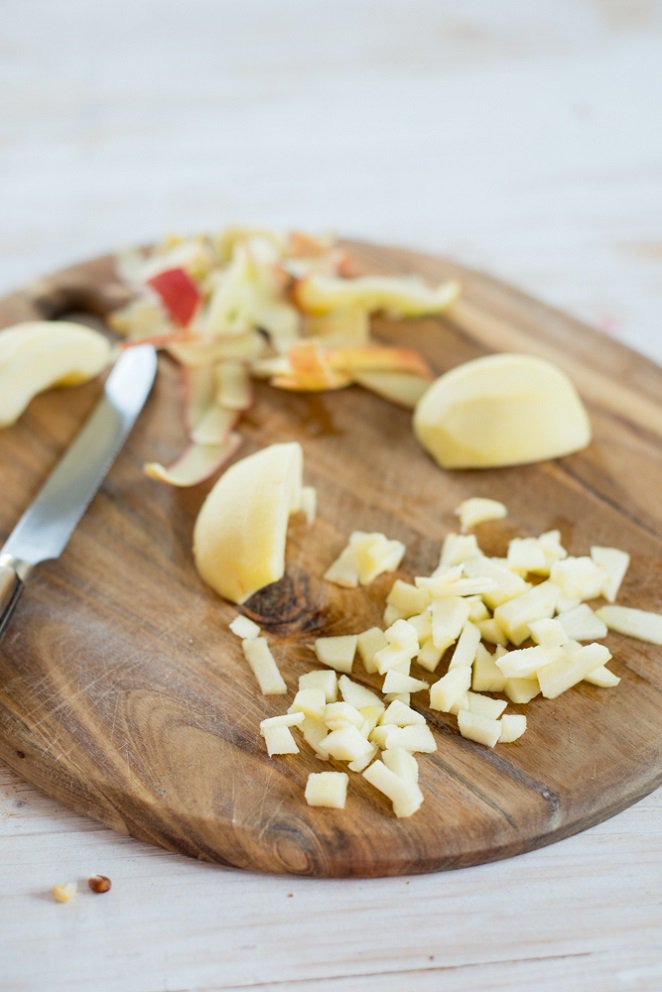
{"x": 11, "y": 586}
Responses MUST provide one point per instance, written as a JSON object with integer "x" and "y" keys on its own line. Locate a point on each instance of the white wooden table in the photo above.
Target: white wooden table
{"x": 521, "y": 138}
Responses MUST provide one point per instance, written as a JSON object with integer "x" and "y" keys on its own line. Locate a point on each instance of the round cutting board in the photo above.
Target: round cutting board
{"x": 123, "y": 694}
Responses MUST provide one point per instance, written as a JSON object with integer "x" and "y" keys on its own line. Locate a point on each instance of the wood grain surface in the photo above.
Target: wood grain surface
{"x": 123, "y": 694}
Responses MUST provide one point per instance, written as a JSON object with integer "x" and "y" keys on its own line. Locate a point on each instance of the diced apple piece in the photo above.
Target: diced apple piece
{"x": 582, "y": 624}
{"x": 615, "y": 564}
{"x": 393, "y": 613}
{"x": 347, "y": 744}
{"x": 602, "y": 677}
{"x": 477, "y": 609}
{"x": 398, "y": 296}
{"x": 491, "y": 631}
{"x": 485, "y": 705}
{"x": 478, "y": 510}
{"x": 449, "y": 617}
{"x": 310, "y": 702}
{"x": 38, "y": 355}
{"x": 449, "y": 689}
{"x": 402, "y": 762}
{"x": 371, "y": 717}
{"x": 369, "y": 643}
{"x": 527, "y": 662}
{"x": 309, "y": 503}
{"x": 374, "y": 555}
{"x": 486, "y": 676}
{"x": 466, "y": 647}
{"x": 402, "y": 645}
{"x": 313, "y": 732}
{"x": 364, "y": 759}
{"x": 396, "y": 682}
{"x": 337, "y": 716}
{"x": 323, "y": 679}
{"x": 263, "y": 666}
{"x": 429, "y": 656}
{"x": 244, "y": 628}
{"x": 578, "y": 578}
{"x": 550, "y": 542}
{"x": 357, "y": 695}
{"x": 445, "y": 583}
{"x": 279, "y": 740}
{"x": 479, "y": 728}
{"x": 407, "y": 597}
{"x": 522, "y": 690}
{"x": 327, "y": 789}
{"x": 506, "y": 584}
{"x": 549, "y": 633}
{"x": 401, "y": 715}
{"x": 344, "y": 570}
{"x": 240, "y": 533}
{"x": 458, "y": 548}
{"x": 643, "y": 625}
{"x": 282, "y": 720}
{"x": 515, "y": 616}
{"x": 501, "y": 410}
{"x": 422, "y": 624}
{"x": 415, "y": 737}
{"x": 513, "y": 725}
{"x": 337, "y": 652}
{"x": 526, "y": 554}
{"x": 571, "y": 669}
{"x": 404, "y": 794}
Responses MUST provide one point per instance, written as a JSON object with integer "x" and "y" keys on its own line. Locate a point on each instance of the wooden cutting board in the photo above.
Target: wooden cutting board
{"x": 123, "y": 694}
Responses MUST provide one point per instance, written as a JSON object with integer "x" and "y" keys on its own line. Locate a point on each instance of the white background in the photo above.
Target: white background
{"x": 522, "y": 138}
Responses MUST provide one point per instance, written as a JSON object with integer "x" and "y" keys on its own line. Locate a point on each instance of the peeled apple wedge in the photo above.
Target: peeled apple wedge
{"x": 240, "y": 533}
{"x": 39, "y": 354}
{"x": 501, "y": 410}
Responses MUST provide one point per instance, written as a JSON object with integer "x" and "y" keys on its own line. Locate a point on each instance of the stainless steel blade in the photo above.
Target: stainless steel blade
{"x": 46, "y": 526}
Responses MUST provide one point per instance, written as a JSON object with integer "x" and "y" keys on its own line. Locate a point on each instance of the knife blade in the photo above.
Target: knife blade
{"x": 46, "y": 526}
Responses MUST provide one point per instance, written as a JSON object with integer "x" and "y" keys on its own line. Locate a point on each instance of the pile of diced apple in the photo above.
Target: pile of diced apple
{"x": 255, "y": 304}
{"x": 505, "y": 630}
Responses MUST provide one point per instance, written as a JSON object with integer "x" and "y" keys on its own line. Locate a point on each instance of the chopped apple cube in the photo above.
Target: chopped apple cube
{"x": 322, "y": 679}
{"x": 526, "y": 554}
{"x": 465, "y": 649}
{"x": 337, "y": 716}
{"x": 550, "y": 542}
{"x": 282, "y": 720}
{"x": 549, "y": 633}
{"x": 478, "y": 510}
{"x": 415, "y": 737}
{"x": 486, "y": 676}
{"x": 571, "y": 668}
{"x": 641, "y": 624}
{"x": 525, "y": 662}
{"x": 401, "y": 715}
{"x": 422, "y": 624}
{"x": 371, "y": 717}
{"x": 277, "y": 735}
{"x": 344, "y": 570}
{"x": 522, "y": 690}
{"x": 485, "y": 705}
{"x": 375, "y": 554}
{"x": 397, "y": 682}
{"x": 515, "y": 616}
{"x": 327, "y": 789}
{"x": 357, "y": 695}
{"x": 393, "y": 613}
{"x": 582, "y": 624}
{"x": 429, "y": 656}
{"x": 513, "y": 726}
{"x": 402, "y": 762}
{"x": 313, "y": 732}
{"x": 451, "y": 582}
{"x": 337, "y": 652}
{"x": 263, "y": 666}
{"x": 347, "y": 744}
{"x": 405, "y": 795}
{"x": 407, "y": 597}
{"x": 602, "y": 677}
{"x": 477, "y": 609}
{"x": 615, "y": 564}
{"x": 458, "y": 548}
{"x": 310, "y": 702}
{"x": 479, "y": 728}
{"x": 491, "y": 631}
{"x": 448, "y": 619}
{"x": 506, "y": 584}
{"x": 402, "y": 645}
{"x": 369, "y": 643}
{"x": 309, "y": 505}
{"x": 244, "y": 628}
{"x": 450, "y": 688}
{"x": 364, "y": 759}
{"x": 578, "y": 578}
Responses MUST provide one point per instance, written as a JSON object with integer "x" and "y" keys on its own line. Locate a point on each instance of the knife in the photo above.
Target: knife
{"x": 44, "y": 529}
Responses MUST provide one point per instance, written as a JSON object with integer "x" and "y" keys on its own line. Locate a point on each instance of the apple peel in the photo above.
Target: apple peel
{"x": 196, "y": 463}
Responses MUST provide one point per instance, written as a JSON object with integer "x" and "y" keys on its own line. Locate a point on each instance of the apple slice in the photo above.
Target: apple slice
{"x": 38, "y": 355}
{"x": 240, "y": 533}
{"x": 402, "y": 296}
{"x": 501, "y": 410}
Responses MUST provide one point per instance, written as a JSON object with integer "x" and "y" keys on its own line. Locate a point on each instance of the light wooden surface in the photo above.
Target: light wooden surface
{"x": 521, "y": 138}
{"x": 129, "y": 700}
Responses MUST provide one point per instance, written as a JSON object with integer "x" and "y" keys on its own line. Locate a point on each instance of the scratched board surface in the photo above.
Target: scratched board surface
{"x": 123, "y": 694}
